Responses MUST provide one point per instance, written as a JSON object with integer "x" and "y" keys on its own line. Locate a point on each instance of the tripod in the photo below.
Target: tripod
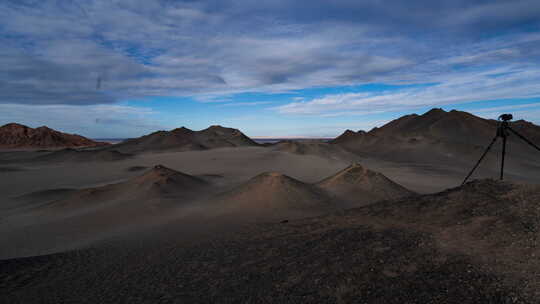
{"x": 502, "y": 132}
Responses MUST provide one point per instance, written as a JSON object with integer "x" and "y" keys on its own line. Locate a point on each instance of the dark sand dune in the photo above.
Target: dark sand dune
{"x": 360, "y": 186}
{"x": 273, "y": 195}
{"x": 161, "y": 180}
{"x": 16, "y": 136}
{"x": 62, "y": 219}
{"x": 183, "y": 139}
{"x": 471, "y": 244}
{"x": 157, "y": 184}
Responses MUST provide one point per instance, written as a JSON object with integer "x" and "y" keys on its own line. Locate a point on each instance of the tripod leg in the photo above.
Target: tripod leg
{"x": 480, "y": 160}
{"x": 503, "y": 153}
{"x": 523, "y": 137}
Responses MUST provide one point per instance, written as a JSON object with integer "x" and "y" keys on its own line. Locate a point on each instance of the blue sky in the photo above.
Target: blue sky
{"x": 270, "y": 68}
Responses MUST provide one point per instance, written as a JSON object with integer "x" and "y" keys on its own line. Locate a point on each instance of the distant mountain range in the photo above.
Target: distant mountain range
{"x": 15, "y": 135}
{"x": 184, "y": 139}
{"x": 433, "y": 136}
{"x": 259, "y": 140}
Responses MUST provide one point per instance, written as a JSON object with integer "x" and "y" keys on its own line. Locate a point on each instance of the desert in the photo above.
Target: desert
{"x": 292, "y": 221}
{"x": 241, "y": 151}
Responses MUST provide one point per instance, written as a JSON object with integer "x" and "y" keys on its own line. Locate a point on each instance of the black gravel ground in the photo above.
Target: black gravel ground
{"x": 428, "y": 249}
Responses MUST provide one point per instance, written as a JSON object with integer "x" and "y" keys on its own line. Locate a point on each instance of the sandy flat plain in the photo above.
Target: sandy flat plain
{"x": 79, "y": 228}
{"x": 28, "y": 185}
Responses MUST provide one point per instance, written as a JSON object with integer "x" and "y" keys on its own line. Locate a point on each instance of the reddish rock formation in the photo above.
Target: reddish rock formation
{"x": 15, "y": 135}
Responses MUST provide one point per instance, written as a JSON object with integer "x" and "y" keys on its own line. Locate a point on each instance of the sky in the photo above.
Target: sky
{"x": 271, "y": 68}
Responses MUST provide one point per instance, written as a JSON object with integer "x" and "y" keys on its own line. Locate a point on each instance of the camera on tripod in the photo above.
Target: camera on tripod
{"x": 502, "y": 133}
{"x": 506, "y": 117}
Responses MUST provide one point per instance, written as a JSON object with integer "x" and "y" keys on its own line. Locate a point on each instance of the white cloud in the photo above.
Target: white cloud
{"x": 249, "y": 104}
{"x": 152, "y": 48}
{"x": 457, "y": 87}
{"x": 504, "y": 108}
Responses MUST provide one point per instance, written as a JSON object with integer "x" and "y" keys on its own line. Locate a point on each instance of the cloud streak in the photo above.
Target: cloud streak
{"x": 248, "y": 104}
{"x": 85, "y": 56}
{"x": 457, "y": 87}
{"x": 55, "y": 52}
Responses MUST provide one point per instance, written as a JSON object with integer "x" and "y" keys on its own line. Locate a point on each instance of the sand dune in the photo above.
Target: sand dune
{"x": 19, "y": 136}
{"x": 158, "y": 182}
{"x": 273, "y": 195}
{"x": 62, "y": 219}
{"x": 153, "y": 185}
{"x": 161, "y": 180}
{"x": 360, "y": 186}
{"x": 183, "y": 139}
